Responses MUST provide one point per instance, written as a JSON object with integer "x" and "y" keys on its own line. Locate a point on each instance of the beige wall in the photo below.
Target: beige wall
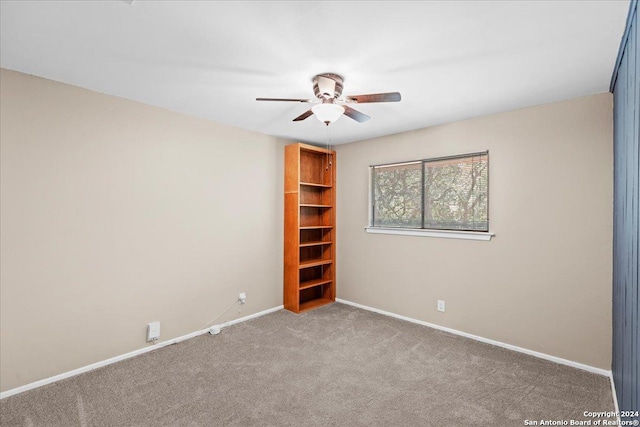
{"x": 115, "y": 214}
{"x": 544, "y": 281}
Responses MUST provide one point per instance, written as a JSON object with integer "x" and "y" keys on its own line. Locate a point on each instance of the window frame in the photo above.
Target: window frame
{"x": 428, "y": 232}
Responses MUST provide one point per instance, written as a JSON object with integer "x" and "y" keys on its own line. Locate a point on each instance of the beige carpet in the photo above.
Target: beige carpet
{"x": 334, "y": 366}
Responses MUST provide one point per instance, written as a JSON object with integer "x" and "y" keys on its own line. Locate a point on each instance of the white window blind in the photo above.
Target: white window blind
{"x": 448, "y": 193}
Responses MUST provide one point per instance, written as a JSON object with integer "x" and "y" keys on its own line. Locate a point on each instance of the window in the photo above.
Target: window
{"x": 447, "y": 193}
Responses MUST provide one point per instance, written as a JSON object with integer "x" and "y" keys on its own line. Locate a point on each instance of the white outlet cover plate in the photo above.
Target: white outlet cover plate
{"x": 440, "y": 305}
{"x": 153, "y": 331}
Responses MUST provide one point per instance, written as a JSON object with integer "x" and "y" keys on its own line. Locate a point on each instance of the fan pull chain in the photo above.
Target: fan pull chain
{"x": 328, "y": 149}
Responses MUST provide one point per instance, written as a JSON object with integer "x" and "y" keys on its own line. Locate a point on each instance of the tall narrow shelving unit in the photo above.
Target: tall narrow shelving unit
{"x": 309, "y": 227}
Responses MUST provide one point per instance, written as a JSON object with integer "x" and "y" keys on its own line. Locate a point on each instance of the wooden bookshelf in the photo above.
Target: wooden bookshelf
{"x": 309, "y": 227}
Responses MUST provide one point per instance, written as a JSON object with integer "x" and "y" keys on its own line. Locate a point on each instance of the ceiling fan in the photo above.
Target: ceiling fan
{"x": 330, "y": 107}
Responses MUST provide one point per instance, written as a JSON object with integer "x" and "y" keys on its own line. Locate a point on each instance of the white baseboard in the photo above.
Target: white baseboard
{"x": 134, "y": 353}
{"x": 129, "y": 355}
{"x": 615, "y": 398}
{"x": 555, "y": 359}
{"x": 249, "y": 317}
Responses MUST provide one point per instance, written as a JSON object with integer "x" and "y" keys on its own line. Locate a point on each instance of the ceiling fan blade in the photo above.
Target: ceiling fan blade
{"x": 283, "y": 99}
{"x": 303, "y": 116}
{"x": 375, "y": 97}
{"x": 355, "y": 114}
{"x": 326, "y": 86}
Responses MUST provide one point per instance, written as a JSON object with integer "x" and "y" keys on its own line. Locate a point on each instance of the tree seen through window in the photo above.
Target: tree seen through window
{"x": 447, "y": 194}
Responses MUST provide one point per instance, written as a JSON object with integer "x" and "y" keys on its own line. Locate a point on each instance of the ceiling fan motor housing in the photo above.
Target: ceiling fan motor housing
{"x": 323, "y": 94}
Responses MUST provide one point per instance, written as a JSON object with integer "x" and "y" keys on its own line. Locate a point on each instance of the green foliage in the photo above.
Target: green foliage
{"x": 398, "y": 196}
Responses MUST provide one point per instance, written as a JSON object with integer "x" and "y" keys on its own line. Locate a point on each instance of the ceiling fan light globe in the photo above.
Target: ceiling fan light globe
{"x": 328, "y": 113}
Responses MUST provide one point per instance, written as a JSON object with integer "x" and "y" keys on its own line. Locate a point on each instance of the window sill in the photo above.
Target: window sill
{"x": 447, "y": 234}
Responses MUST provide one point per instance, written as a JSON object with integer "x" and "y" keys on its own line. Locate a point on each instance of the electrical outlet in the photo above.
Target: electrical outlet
{"x": 153, "y": 331}
{"x": 242, "y": 297}
{"x": 441, "y": 305}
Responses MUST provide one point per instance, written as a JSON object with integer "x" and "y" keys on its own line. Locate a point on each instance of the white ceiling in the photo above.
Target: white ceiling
{"x": 450, "y": 60}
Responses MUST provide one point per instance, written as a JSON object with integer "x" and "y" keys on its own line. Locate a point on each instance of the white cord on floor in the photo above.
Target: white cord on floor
{"x": 209, "y": 323}
{"x": 221, "y": 314}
